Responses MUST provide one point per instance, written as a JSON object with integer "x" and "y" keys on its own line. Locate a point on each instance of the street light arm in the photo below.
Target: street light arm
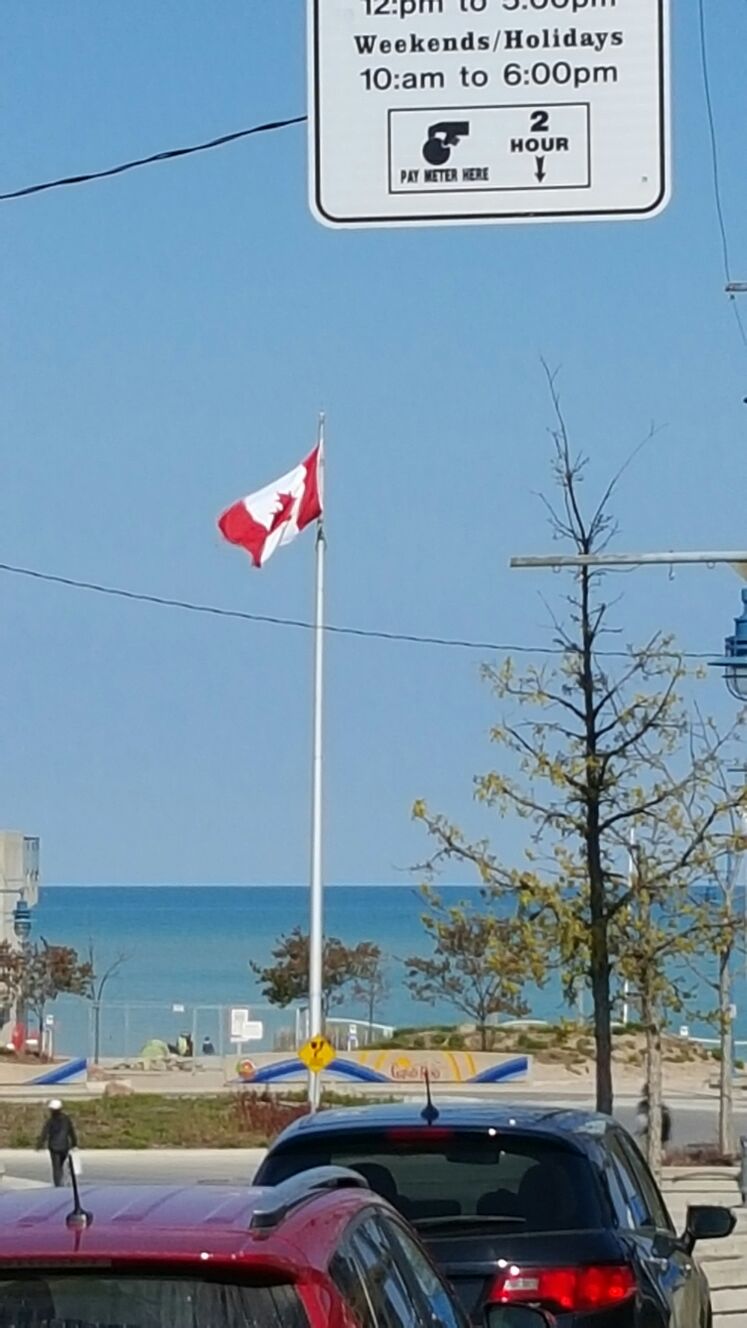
{"x": 737, "y": 559}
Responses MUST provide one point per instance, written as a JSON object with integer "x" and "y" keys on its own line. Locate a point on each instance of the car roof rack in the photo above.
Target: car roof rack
{"x": 281, "y": 1199}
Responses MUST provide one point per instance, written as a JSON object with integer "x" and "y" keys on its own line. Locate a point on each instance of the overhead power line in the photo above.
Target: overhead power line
{"x": 716, "y": 172}
{"x": 169, "y": 155}
{"x": 366, "y": 633}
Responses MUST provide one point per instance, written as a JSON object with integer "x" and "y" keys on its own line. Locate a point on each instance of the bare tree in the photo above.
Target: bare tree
{"x": 98, "y": 983}
{"x": 371, "y": 984}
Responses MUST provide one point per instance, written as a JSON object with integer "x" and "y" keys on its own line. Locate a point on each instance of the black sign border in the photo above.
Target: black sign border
{"x": 477, "y": 217}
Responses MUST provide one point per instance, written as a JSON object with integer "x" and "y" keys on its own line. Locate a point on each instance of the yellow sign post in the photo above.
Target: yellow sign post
{"x": 317, "y": 1054}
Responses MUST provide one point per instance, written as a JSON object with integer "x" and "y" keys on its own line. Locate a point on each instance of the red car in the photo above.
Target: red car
{"x": 320, "y": 1250}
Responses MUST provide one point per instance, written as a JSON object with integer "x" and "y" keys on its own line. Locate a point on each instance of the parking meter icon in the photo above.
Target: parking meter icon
{"x": 442, "y": 137}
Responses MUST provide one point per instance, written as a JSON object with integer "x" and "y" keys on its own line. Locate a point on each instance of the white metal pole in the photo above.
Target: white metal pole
{"x": 316, "y": 902}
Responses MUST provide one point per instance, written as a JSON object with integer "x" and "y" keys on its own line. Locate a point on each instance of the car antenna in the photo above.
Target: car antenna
{"x": 78, "y": 1220}
{"x": 429, "y": 1113}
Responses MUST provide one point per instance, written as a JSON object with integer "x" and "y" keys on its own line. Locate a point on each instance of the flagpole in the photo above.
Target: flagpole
{"x": 316, "y": 901}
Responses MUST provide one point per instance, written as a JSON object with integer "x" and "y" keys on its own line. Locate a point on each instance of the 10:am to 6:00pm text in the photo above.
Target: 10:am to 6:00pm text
{"x": 405, "y": 9}
{"x": 540, "y": 74}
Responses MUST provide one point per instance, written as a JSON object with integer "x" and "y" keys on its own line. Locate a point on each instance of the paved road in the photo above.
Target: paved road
{"x": 693, "y": 1122}
{"x": 227, "y": 1166}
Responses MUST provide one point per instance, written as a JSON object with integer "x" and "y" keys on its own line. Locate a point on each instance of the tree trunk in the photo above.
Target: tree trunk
{"x": 22, "y": 1004}
{"x": 600, "y": 994}
{"x": 599, "y": 964}
{"x": 726, "y": 1075}
{"x": 41, "y": 1011}
{"x": 96, "y": 1032}
{"x": 371, "y": 1010}
{"x": 653, "y": 1084}
{"x": 599, "y": 939}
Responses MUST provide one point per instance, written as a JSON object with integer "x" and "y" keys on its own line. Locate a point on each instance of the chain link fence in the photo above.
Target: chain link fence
{"x": 121, "y": 1030}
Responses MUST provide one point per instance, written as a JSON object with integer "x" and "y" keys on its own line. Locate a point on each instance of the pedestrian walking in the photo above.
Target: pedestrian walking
{"x": 58, "y": 1137}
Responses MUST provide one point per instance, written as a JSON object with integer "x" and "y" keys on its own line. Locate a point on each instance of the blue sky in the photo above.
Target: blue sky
{"x": 167, "y": 340}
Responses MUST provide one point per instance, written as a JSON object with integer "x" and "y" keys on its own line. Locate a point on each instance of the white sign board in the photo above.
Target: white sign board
{"x": 437, "y": 112}
{"x": 244, "y": 1029}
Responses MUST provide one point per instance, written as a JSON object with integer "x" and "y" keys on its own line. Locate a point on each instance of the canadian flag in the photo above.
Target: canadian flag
{"x": 274, "y": 515}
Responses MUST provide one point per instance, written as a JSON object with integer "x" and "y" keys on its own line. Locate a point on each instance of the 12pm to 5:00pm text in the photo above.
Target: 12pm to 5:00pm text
{"x": 404, "y": 9}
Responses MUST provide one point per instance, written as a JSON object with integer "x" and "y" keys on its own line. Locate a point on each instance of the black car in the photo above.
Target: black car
{"x": 523, "y": 1205}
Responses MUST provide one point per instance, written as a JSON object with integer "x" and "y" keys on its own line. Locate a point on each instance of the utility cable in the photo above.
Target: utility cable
{"x": 371, "y": 634}
{"x": 170, "y": 155}
{"x": 716, "y": 171}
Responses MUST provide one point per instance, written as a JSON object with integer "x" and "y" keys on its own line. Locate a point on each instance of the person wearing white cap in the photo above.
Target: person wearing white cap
{"x": 58, "y": 1136}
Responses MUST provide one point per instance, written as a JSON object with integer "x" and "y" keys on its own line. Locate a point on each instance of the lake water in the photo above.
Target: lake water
{"x": 191, "y": 946}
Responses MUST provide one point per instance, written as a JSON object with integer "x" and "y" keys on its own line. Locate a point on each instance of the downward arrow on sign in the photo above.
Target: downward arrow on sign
{"x": 540, "y": 173}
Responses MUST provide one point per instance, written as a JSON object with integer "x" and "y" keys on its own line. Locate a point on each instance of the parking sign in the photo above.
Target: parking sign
{"x": 439, "y": 112}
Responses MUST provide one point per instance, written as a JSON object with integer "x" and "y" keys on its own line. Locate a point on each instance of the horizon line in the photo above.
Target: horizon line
{"x": 244, "y": 885}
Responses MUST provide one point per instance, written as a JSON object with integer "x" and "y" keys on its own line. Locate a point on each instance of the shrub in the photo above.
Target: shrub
{"x": 265, "y": 1115}
{"x": 530, "y": 1042}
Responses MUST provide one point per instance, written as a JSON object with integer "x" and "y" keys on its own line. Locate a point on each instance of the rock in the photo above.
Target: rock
{"x": 118, "y": 1088}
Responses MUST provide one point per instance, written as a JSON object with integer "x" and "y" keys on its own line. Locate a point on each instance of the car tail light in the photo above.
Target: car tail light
{"x": 593, "y": 1287}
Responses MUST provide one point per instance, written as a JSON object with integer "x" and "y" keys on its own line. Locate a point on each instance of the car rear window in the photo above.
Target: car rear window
{"x": 104, "y": 1300}
{"x": 529, "y": 1183}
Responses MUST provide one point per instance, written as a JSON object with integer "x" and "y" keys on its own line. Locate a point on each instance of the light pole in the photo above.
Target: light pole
{"x": 22, "y": 930}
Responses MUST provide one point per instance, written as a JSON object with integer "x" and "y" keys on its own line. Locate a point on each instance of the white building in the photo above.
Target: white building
{"x": 19, "y": 883}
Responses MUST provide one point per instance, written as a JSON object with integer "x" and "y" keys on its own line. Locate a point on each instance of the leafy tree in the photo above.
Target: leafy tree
{"x": 370, "y": 984}
{"x": 97, "y": 985}
{"x": 726, "y": 939}
{"x": 51, "y": 971}
{"x": 11, "y": 974}
{"x": 286, "y": 981}
{"x": 480, "y": 964}
{"x": 661, "y": 930}
{"x": 727, "y": 929}
{"x": 605, "y": 746}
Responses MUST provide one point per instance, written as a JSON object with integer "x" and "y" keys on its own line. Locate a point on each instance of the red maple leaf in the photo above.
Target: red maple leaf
{"x": 284, "y": 511}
